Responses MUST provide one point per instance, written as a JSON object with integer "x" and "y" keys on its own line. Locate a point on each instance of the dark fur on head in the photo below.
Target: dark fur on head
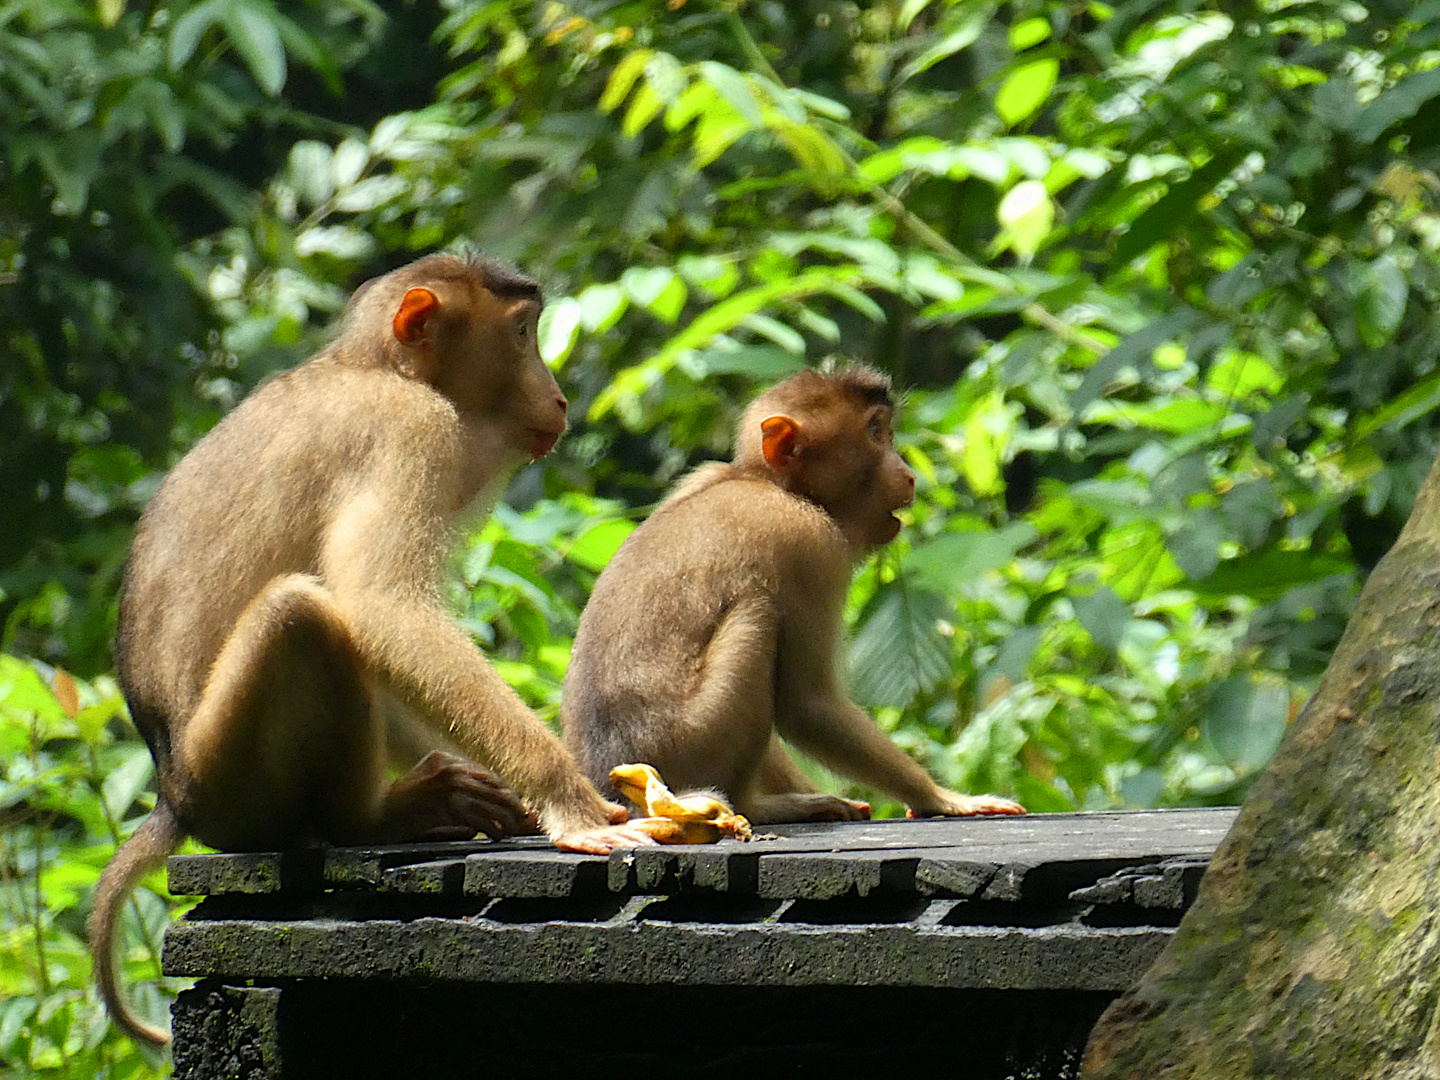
{"x": 496, "y": 275}
{"x": 810, "y": 389}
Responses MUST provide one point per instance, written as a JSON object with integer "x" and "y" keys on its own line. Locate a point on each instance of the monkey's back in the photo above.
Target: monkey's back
{"x": 244, "y": 506}
{"x": 641, "y": 648}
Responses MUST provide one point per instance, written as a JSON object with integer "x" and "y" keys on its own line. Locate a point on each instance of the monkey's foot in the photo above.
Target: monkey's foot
{"x": 821, "y": 807}
{"x": 957, "y": 805}
{"x": 446, "y": 797}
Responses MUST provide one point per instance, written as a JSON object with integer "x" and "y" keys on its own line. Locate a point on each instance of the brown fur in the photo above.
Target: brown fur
{"x": 281, "y": 597}
{"x": 712, "y": 635}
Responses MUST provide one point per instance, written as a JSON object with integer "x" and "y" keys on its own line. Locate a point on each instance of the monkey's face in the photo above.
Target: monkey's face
{"x": 854, "y": 472}
{"x": 893, "y": 483}
{"x": 498, "y": 372}
{"x": 539, "y": 406}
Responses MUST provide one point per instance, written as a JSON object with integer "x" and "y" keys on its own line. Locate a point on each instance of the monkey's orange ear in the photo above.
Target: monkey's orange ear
{"x": 778, "y": 438}
{"x": 417, "y": 306}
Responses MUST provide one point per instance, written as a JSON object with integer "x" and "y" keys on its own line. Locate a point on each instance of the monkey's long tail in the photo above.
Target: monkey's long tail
{"x": 146, "y": 850}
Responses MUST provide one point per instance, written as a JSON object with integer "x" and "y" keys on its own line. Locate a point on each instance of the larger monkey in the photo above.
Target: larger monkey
{"x": 281, "y": 597}
{"x": 715, "y": 627}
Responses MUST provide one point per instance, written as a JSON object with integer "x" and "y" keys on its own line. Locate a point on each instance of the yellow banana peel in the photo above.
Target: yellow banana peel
{"x": 675, "y": 819}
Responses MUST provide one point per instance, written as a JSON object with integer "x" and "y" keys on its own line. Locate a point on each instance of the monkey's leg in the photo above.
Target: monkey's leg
{"x": 719, "y": 736}
{"x": 287, "y": 744}
{"x": 782, "y": 792}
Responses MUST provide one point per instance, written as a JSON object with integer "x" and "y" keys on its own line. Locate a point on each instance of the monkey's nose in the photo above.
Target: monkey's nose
{"x": 562, "y": 403}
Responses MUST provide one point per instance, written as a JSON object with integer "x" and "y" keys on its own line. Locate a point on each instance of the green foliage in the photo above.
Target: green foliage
{"x": 1158, "y": 282}
{"x": 73, "y": 784}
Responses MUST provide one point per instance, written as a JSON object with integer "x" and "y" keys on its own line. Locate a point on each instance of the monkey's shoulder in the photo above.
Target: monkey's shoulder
{"x": 738, "y": 527}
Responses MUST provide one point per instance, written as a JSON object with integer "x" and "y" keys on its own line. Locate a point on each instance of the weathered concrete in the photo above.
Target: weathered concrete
{"x": 1026, "y": 927}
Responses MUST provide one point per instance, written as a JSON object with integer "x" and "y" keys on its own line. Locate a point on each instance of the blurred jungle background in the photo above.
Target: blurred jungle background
{"x": 1158, "y": 280}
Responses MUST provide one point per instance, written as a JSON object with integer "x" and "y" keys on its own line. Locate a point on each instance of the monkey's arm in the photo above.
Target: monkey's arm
{"x": 380, "y": 559}
{"x": 840, "y": 735}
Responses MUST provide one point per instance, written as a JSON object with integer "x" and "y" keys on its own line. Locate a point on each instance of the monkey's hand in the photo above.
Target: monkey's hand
{"x": 446, "y": 797}
{"x": 602, "y": 841}
{"x": 953, "y": 804}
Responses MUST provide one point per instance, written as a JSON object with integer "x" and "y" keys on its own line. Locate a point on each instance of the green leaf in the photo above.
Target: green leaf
{"x": 1025, "y": 90}
{"x": 1104, "y": 616}
{"x": 826, "y": 167}
{"x": 1420, "y": 400}
{"x": 372, "y": 192}
{"x": 338, "y": 241}
{"x": 110, "y": 11}
{"x": 953, "y": 559}
{"x": 647, "y": 284}
{"x": 1196, "y": 545}
{"x": 311, "y": 171}
{"x": 644, "y": 107}
{"x": 1026, "y": 215}
{"x": 737, "y": 310}
{"x": 559, "y": 330}
{"x": 1172, "y": 211}
{"x": 1135, "y": 351}
{"x": 22, "y": 690}
{"x": 731, "y": 86}
{"x": 127, "y": 780}
{"x": 898, "y": 651}
{"x": 190, "y": 27}
{"x": 1245, "y": 720}
{"x": 252, "y": 29}
{"x": 760, "y": 362}
{"x": 1380, "y": 291}
{"x": 1029, "y": 32}
{"x": 601, "y": 306}
{"x": 594, "y": 548}
{"x": 1267, "y": 575}
{"x": 960, "y": 28}
{"x": 351, "y": 157}
{"x": 1136, "y": 562}
{"x": 622, "y": 79}
{"x": 1400, "y": 102}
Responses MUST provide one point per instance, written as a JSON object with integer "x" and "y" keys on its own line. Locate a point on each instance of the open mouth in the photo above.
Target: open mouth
{"x": 542, "y": 442}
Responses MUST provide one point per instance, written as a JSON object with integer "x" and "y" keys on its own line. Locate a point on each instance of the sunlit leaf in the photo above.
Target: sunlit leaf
{"x": 559, "y": 330}
{"x": 1026, "y": 215}
{"x": 1025, "y": 89}
{"x": 644, "y": 107}
{"x": 601, "y": 306}
{"x": 1029, "y": 32}
{"x": 597, "y": 546}
{"x": 622, "y": 79}
{"x": 1176, "y": 207}
{"x": 339, "y": 241}
{"x": 731, "y": 85}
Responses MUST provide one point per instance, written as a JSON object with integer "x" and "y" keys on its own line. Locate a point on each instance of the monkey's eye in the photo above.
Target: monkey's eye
{"x": 876, "y": 427}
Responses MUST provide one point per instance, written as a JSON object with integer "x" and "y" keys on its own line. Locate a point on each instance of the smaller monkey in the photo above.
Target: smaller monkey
{"x": 280, "y": 619}
{"x": 712, "y": 635}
